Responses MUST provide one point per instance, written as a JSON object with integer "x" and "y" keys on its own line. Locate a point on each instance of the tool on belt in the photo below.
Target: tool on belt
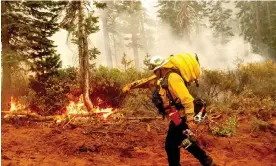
{"x": 188, "y": 141}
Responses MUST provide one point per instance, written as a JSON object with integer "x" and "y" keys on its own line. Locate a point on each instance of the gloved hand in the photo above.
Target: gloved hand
{"x": 199, "y": 110}
{"x": 200, "y": 117}
{"x": 127, "y": 88}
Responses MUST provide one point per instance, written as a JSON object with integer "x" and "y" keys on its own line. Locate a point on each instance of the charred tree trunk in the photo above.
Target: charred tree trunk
{"x": 6, "y": 67}
{"x": 107, "y": 42}
{"x": 83, "y": 58}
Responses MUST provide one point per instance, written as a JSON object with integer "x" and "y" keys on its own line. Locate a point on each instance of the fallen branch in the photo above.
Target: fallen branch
{"x": 69, "y": 118}
{"x": 215, "y": 117}
{"x": 32, "y": 116}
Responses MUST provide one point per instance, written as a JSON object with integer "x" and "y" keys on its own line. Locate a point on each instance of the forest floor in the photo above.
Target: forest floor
{"x": 127, "y": 144}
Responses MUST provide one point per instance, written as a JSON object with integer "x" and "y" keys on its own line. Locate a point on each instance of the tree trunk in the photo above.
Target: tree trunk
{"x": 6, "y": 67}
{"x": 83, "y": 58}
{"x": 106, "y": 41}
{"x": 143, "y": 32}
{"x": 113, "y": 36}
{"x": 269, "y": 23}
{"x": 115, "y": 50}
{"x": 222, "y": 33}
{"x": 134, "y": 38}
{"x": 135, "y": 49}
{"x": 258, "y": 23}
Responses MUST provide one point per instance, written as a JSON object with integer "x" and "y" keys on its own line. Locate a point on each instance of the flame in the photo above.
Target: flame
{"x": 79, "y": 108}
{"x": 15, "y": 106}
{"x": 76, "y": 108}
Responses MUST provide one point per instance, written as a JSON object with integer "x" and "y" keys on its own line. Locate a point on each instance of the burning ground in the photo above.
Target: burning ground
{"x": 127, "y": 142}
{"x": 240, "y": 131}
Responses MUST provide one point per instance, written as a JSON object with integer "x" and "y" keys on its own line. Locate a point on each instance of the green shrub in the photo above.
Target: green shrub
{"x": 260, "y": 78}
{"x": 214, "y": 85}
{"x": 107, "y": 84}
{"x": 226, "y": 129}
{"x": 255, "y": 79}
{"x": 139, "y": 103}
{"x": 48, "y": 97}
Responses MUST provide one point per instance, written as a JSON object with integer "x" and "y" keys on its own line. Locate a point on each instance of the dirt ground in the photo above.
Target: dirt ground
{"x": 130, "y": 143}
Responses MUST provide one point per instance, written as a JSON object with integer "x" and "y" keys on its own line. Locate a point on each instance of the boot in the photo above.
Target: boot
{"x": 200, "y": 154}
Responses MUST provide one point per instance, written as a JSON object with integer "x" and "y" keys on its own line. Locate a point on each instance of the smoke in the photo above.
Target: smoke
{"x": 212, "y": 54}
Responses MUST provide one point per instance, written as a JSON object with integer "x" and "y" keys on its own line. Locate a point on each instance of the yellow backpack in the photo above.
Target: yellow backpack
{"x": 188, "y": 66}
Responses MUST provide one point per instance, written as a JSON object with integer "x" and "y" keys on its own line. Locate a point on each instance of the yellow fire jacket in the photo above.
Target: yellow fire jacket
{"x": 179, "y": 91}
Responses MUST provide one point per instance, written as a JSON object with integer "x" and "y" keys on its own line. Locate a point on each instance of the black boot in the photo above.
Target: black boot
{"x": 200, "y": 154}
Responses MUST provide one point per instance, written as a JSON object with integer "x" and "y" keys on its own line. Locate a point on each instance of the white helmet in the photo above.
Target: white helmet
{"x": 156, "y": 62}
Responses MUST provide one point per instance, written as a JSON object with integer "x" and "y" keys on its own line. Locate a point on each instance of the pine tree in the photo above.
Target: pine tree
{"x": 181, "y": 15}
{"x": 43, "y": 59}
{"x": 81, "y": 23}
{"x": 220, "y": 19}
{"x": 130, "y": 26}
{"x": 28, "y": 25}
{"x": 126, "y": 63}
{"x": 107, "y": 41}
{"x": 147, "y": 61}
{"x": 115, "y": 38}
{"x": 258, "y": 25}
{"x": 270, "y": 26}
{"x": 134, "y": 24}
{"x": 6, "y": 66}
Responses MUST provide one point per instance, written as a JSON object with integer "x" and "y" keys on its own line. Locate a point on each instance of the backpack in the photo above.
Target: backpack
{"x": 188, "y": 66}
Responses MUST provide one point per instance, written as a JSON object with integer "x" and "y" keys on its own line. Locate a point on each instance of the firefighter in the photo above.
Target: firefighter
{"x": 173, "y": 100}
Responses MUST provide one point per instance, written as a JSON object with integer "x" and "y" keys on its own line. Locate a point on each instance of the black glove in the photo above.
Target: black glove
{"x": 199, "y": 109}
